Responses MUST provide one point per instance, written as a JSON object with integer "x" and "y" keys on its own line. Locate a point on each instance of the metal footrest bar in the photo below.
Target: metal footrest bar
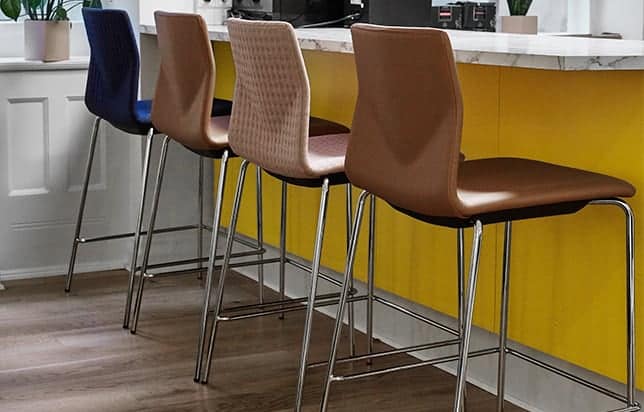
{"x": 204, "y": 269}
{"x": 570, "y": 376}
{"x": 410, "y": 349}
{"x": 294, "y": 308}
{"x": 131, "y": 234}
{"x": 278, "y": 303}
{"x": 415, "y": 315}
{"x": 205, "y": 259}
{"x": 239, "y": 239}
{"x": 304, "y": 267}
{"x": 419, "y": 364}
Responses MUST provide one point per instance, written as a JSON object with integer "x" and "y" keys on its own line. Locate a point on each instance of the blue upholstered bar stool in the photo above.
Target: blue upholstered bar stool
{"x": 112, "y": 95}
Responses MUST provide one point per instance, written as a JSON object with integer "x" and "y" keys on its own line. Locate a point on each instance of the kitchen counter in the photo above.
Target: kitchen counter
{"x": 547, "y": 52}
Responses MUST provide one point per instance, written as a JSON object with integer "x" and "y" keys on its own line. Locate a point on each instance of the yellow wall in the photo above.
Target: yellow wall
{"x": 568, "y": 272}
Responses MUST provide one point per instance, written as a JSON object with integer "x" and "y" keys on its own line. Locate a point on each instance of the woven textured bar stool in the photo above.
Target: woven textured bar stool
{"x": 270, "y": 127}
{"x": 181, "y": 111}
{"x": 404, "y": 149}
{"x": 112, "y": 95}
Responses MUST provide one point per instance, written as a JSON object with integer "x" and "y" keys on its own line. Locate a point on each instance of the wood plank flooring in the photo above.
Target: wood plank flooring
{"x": 68, "y": 353}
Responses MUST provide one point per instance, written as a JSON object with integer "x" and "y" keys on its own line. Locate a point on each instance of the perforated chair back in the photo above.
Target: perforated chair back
{"x": 270, "y": 119}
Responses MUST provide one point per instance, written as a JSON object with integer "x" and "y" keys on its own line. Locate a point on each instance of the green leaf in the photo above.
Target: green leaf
{"x": 60, "y": 13}
{"x": 95, "y": 4}
{"x": 519, "y": 7}
{"x": 11, "y": 8}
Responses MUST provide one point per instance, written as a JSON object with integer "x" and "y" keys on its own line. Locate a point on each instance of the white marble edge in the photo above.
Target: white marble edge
{"x": 548, "y": 52}
{"x": 18, "y": 64}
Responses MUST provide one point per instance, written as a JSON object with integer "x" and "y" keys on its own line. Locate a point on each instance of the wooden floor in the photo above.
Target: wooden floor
{"x": 69, "y": 353}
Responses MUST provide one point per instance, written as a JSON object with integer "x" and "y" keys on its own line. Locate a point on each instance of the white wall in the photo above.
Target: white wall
{"x": 618, "y": 16}
{"x": 148, "y": 7}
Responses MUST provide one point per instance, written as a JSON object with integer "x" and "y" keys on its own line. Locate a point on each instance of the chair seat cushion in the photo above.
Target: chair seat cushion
{"x": 143, "y": 110}
{"x": 494, "y": 185}
{"x": 327, "y": 153}
{"x": 319, "y": 127}
{"x": 502, "y": 189}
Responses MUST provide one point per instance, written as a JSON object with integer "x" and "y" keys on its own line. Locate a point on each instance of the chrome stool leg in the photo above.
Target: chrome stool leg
{"x": 371, "y": 273}
{"x": 460, "y": 265}
{"x": 148, "y": 240}
{"x": 351, "y": 315}
{"x": 81, "y": 208}
{"x": 139, "y": 228}
{"x": 219, "y": 297}
{"x": 503, "y": 330}
{"x": 315, "y": 271}
{"x": 339, "y": 320}
{"x": 216, "y": 224}
{"x": 282, "y": 280}
{"x": 260, "y": 232}
{"x": 461, "y": 377}
{"x": 200, "y": 206}
{"x": 630, "y": 297}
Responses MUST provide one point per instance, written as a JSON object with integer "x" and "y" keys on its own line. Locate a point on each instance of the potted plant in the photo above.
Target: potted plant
{"x": 46, "y": 26}
{"x": 517, "y": 21}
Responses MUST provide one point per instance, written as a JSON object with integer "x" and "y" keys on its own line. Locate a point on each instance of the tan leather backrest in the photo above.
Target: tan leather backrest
{"x": 406, "y": 132}
{"x": 271, "y": 104}
{"x": 186, "y": 84}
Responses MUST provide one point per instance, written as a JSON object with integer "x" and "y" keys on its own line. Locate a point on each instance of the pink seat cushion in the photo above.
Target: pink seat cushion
{"x": 326, "y": 153}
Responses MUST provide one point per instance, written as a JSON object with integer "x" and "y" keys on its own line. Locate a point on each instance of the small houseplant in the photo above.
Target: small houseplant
{"x": 47, "y": 25}
{"x": 518, "y": 21}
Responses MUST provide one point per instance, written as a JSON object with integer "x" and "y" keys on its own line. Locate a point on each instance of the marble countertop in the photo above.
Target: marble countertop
{"x": 18, "y": 64}
{"x": 542, "y": 51}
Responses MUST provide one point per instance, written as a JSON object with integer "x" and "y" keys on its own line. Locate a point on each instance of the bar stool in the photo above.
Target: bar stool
{"x": 270, "y": 128}
{"x": 111, "y": 95}
{"x": 408, "y": 123}
{"x": 181, "y": 111}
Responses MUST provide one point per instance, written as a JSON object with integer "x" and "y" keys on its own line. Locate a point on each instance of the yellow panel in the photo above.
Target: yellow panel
{"x": 568, "y": 272}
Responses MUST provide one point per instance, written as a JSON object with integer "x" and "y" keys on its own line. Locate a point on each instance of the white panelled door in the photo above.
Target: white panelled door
{"x": 44, "y": 138}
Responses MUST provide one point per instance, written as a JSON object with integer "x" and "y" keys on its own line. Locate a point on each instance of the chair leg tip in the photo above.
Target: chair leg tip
{"x": 67, "y": 290}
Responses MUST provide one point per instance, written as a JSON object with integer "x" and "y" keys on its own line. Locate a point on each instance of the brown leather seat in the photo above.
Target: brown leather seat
{"x": 406, "y": 137}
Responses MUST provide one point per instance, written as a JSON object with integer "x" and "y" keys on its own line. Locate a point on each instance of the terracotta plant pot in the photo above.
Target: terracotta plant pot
{"x": 520, "y": 24}
{"x": 47, "y": 41}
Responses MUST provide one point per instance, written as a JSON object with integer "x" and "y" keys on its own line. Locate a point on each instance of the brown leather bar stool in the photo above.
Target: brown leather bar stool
{"x": 182, "y": 111}
{"x": 270, "y": 128}
{"x": 404, "y": 149}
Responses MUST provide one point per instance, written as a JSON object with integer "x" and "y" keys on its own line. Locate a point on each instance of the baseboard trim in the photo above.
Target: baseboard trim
{"x": 58, "y": 270}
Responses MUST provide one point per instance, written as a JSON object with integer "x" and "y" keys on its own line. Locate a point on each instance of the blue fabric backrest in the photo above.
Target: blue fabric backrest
{"x": 113, "y": 77}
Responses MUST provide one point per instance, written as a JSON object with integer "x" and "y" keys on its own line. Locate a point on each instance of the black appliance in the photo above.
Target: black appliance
{"x": 297, "y": 12}
{"x": 448, "y": 17}
{"x": 479, "y": 16}
{"x": 399, "y": 12}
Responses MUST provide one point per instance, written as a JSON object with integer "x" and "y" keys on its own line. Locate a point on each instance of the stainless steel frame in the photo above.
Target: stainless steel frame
{"x": 282, "y": 306}
{"x": 215, "y": 229}
{"x": 79, "y": 239}
{"x": 465, "y": 313}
